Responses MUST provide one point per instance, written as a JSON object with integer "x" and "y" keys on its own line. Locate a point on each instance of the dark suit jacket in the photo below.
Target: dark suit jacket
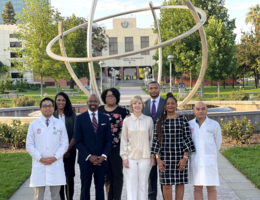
{"x": 87, "y": 141}
{"x": 147, "y": 108}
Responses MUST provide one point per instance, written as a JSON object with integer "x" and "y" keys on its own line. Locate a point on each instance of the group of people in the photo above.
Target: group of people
{"x": 113, "y": 144}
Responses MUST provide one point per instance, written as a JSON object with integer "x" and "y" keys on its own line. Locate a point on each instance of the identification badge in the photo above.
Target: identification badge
{"x": 38, "y": 131}
{"x": 54, "y": 130}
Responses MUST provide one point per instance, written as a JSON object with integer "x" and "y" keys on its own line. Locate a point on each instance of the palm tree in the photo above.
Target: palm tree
{"x": 253, "y": 16}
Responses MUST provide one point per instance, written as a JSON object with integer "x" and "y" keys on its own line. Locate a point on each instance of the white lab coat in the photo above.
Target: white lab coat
{"x": 41, "y": 142}
{"x": 203, "y": 163}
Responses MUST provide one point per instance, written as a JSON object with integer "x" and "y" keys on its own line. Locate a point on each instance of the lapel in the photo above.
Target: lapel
{"x": 91, "y": 126}
{"x": 160, "y": 108}
{"x": 148, "y": 106}
{"x": 99, "y": 121}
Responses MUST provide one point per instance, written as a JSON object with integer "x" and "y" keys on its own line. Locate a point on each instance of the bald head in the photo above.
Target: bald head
{"x": 93, "y": 102}
{"x": 200, "y": 110}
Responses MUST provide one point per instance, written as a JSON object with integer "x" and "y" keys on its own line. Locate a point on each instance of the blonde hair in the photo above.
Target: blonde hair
{"x": 135, "y": 99}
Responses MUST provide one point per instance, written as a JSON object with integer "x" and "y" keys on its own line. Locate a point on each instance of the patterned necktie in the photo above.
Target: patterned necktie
{"x": 47, "y": 122}
{"x": 94, "y": 123}
{"x": 153, "y": 110}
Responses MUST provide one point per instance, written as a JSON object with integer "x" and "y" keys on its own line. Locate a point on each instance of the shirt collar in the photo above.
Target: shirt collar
{"x": 44, "y": 119}
{"x": 156, "y": 100}
{"x": 199, "y": 123}
{"x": 135, "y": 118}
{"x": 90, "y": 112}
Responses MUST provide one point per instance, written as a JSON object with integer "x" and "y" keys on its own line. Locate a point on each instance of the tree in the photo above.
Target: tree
{"x": 173, "y": 22}
{"x": 253, "y": 16}
{"x": 38, "y": 24}
{"x": 248, "y": 53}
{"x": 221, "y": 51}
{"x": 3, "y": 70}
{"x": 8, "y": 14}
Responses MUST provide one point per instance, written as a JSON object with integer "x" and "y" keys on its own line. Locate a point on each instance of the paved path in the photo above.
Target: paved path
{"x": 128, "y": 92}
{"x": 233, "y": 186}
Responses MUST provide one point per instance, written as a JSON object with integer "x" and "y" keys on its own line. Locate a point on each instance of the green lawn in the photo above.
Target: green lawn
{"x": 211, "y": 93}
{"x": 15, "y": 168}
{"x": 246, "y": 160}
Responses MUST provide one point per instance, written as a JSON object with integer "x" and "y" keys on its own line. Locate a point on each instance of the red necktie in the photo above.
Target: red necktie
{"x": 94, "y": 123}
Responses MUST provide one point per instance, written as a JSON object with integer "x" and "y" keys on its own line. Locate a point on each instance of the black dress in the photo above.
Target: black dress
{"x": 176, "y": 140}
{"x": 114, "y": 174}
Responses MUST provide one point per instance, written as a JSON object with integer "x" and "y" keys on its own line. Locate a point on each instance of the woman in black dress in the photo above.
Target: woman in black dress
{"x": 64, "y": 112}
{"x": 116, "y": 114}
{"x": 171, "y": 145}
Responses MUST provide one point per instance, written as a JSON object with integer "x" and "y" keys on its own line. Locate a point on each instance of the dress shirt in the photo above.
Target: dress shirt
{"x": 156, "y": 103}
{"x": 137, "y": 136}
{"x": 91, "y": 118}
{"x": 62, "y": 118}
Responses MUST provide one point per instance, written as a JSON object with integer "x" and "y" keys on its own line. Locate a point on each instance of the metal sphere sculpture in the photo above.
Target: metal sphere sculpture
{"x": 199, "y": 26}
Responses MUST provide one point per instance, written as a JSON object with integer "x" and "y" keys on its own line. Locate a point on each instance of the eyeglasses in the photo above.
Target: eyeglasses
{"x": 47, "y": 106}
{"x": 110, "y": 96}
{"x": 93, "y": 101}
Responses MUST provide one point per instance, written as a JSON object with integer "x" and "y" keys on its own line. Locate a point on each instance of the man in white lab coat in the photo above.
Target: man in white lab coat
{"x": 206, "y": 136}
{"x": 46, "y": 142}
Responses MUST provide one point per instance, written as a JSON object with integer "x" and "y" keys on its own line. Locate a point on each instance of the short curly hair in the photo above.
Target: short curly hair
{"x": 115, "y": 92}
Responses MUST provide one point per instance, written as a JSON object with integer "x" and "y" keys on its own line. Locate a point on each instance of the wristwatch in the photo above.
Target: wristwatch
{"x": 152, "y": 155}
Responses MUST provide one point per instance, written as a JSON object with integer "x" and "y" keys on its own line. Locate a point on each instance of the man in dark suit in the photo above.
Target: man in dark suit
{"x": 93, "y": 139}
{"x": 153, "y": 108}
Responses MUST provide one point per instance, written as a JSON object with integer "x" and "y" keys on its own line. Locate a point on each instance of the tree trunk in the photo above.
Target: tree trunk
{"x": 72, "y": 83}
{"x": 57, "y": 86}
{"x": 211, "y": 83}
{"x": 181, "y": 78}
{"x": 218, "y": 89}
{"x": 190, "y": 80}
{"x": 41, "y": 86}
{"x": 255, "y": 79}
{"x": 202, "y": 88}
{"x": 224, "y": 84}
{"x": 233, "y": 85}
{"x": 243, "y": 81}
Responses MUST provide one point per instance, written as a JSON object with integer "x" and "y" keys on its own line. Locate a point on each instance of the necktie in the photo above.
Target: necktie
{"x": 47, "y": 122}
{"x": 153, "y": 110}
{"x": 94, "y": 123}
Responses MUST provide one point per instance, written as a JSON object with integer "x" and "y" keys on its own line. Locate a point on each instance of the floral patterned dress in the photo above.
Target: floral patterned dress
{"x": 116, "y": 118}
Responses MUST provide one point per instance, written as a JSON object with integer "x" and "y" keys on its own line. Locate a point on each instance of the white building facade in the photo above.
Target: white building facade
{"x": 125, "y": 37}
{"x": 7, "y": 41}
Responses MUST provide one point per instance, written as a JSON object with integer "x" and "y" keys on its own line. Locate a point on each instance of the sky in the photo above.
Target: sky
{"x": 237, "y": 9}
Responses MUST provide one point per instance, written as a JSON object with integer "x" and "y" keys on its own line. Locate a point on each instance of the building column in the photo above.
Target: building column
{"x": 122, "y": 73}
{"x": 106, "y": 71}
{"x": 137, "y": 73}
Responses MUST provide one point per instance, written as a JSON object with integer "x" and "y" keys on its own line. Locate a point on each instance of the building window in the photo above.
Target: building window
{"x": 16, "y": 75}
{"x": 145, "y": 43}
{"x": 50, "y": 83}
{"x": 11, "y": 36}
{"x": 113, "y": 48}
{"x": 15, "y": 55}
{"x": 15, "y": 44}
{"x": 12, "y": 64}
{"x": 129, "y": 44}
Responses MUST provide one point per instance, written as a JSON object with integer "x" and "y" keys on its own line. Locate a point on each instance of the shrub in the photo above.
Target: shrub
{"x": 23, "y": 101}
{"x": 238, "y": 130}
{"x": 238, "y": 95}
{"x": 14, "y": 134}
{"x": 5, "y": 105}
{"x": 21, "y": 85}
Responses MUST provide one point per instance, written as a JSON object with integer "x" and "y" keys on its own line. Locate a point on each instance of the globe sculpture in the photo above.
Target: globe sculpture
{"x": 199, "y": 26}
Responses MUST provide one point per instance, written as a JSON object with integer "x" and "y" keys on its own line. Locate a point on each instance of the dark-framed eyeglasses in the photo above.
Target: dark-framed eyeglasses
{"x": 110, "y": 96}
{"x": 47, "y": 106}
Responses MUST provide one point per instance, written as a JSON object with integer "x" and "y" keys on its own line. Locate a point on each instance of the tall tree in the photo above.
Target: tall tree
{"x": 8, "y": 14}
{"x": 221, "y": 52}
{"x": 253, "y": 16}
{"x": 174, "y": 22}
{"x": 38, "y": 24}
{"x": 3, "y": 70}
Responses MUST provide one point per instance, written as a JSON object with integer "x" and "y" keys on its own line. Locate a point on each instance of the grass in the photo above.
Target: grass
{"x": 246, "y": 160}
{"x": 15, "y": 169}
{"x": 211, "y": 93}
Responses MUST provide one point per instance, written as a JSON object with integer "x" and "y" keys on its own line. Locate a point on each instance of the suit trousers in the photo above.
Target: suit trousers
{"x": 212, "y": 192}
{"x": 39, "y": 193}
{"x": 87, "y": 170}
{"x": 137, "y": 179}
{"x": 69, "y": 166}
{"x": 114, "y": 178}
{"x": 153, "y": 180}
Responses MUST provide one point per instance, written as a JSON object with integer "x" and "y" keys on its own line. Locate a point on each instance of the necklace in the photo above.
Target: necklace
{"x": 169, "y": 117}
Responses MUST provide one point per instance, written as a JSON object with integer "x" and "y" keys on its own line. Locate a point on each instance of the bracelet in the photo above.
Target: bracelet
{"x": 152, "y": 155}
{"x": 185, "y": 157}
{"x": 157, "y": 156}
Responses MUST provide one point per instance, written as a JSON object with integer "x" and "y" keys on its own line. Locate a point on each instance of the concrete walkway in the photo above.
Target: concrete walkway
{"x": 128, "y": 92}
{"x": 233, "y": 186}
